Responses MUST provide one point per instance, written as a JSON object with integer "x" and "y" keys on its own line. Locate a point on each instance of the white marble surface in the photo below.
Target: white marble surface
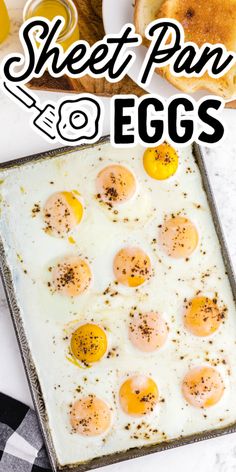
{"x": 16, "y": 140}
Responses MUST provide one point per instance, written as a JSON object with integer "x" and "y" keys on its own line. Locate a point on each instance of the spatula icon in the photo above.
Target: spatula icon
{"x": 46, "y": 118}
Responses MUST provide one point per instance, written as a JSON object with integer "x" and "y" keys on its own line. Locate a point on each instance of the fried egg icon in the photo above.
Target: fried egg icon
{"x": 79, "y": 120}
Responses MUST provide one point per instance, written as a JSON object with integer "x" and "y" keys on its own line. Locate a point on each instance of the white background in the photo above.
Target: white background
{"x": 17, "y": 140}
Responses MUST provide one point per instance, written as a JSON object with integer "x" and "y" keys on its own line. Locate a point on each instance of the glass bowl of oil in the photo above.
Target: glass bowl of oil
{"x": 50, "y": 9}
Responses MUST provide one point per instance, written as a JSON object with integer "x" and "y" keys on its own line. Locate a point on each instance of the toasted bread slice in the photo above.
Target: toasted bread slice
{"x": 145, "y": 12}
{"x": 212, "y": 21}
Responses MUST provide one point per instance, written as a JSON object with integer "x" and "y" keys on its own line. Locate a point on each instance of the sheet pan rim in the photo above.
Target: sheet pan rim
{"x": 29, "y": 366}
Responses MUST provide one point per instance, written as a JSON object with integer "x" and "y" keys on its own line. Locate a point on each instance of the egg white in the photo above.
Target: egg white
{"x": 30, "y": 253}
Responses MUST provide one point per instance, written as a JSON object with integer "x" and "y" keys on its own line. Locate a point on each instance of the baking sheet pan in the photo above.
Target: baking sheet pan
{"x": 25, "y": 350}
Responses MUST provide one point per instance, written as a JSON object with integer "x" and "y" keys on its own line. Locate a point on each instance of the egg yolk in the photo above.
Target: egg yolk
{"x": 148, "y": 331}
{"x": 88, "y": 343}
{"x": 62, "y": 212}
{"x": 138, "y": 395}
{"x": 71, "y": 276}
{"x": 90, "y": 416}
{"x": 178, "y": 237}
{"x": 115, "y": 184}
{"x": 203, "y": 317}
{"x": 160, "y": 162}
{"x": 203, "y": 387}
{"x": 132, "y": 267}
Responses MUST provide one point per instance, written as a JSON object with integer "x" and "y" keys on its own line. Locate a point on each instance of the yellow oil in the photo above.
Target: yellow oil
{"x": 51, "y": 8}
{"x": 4, "y": 21}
